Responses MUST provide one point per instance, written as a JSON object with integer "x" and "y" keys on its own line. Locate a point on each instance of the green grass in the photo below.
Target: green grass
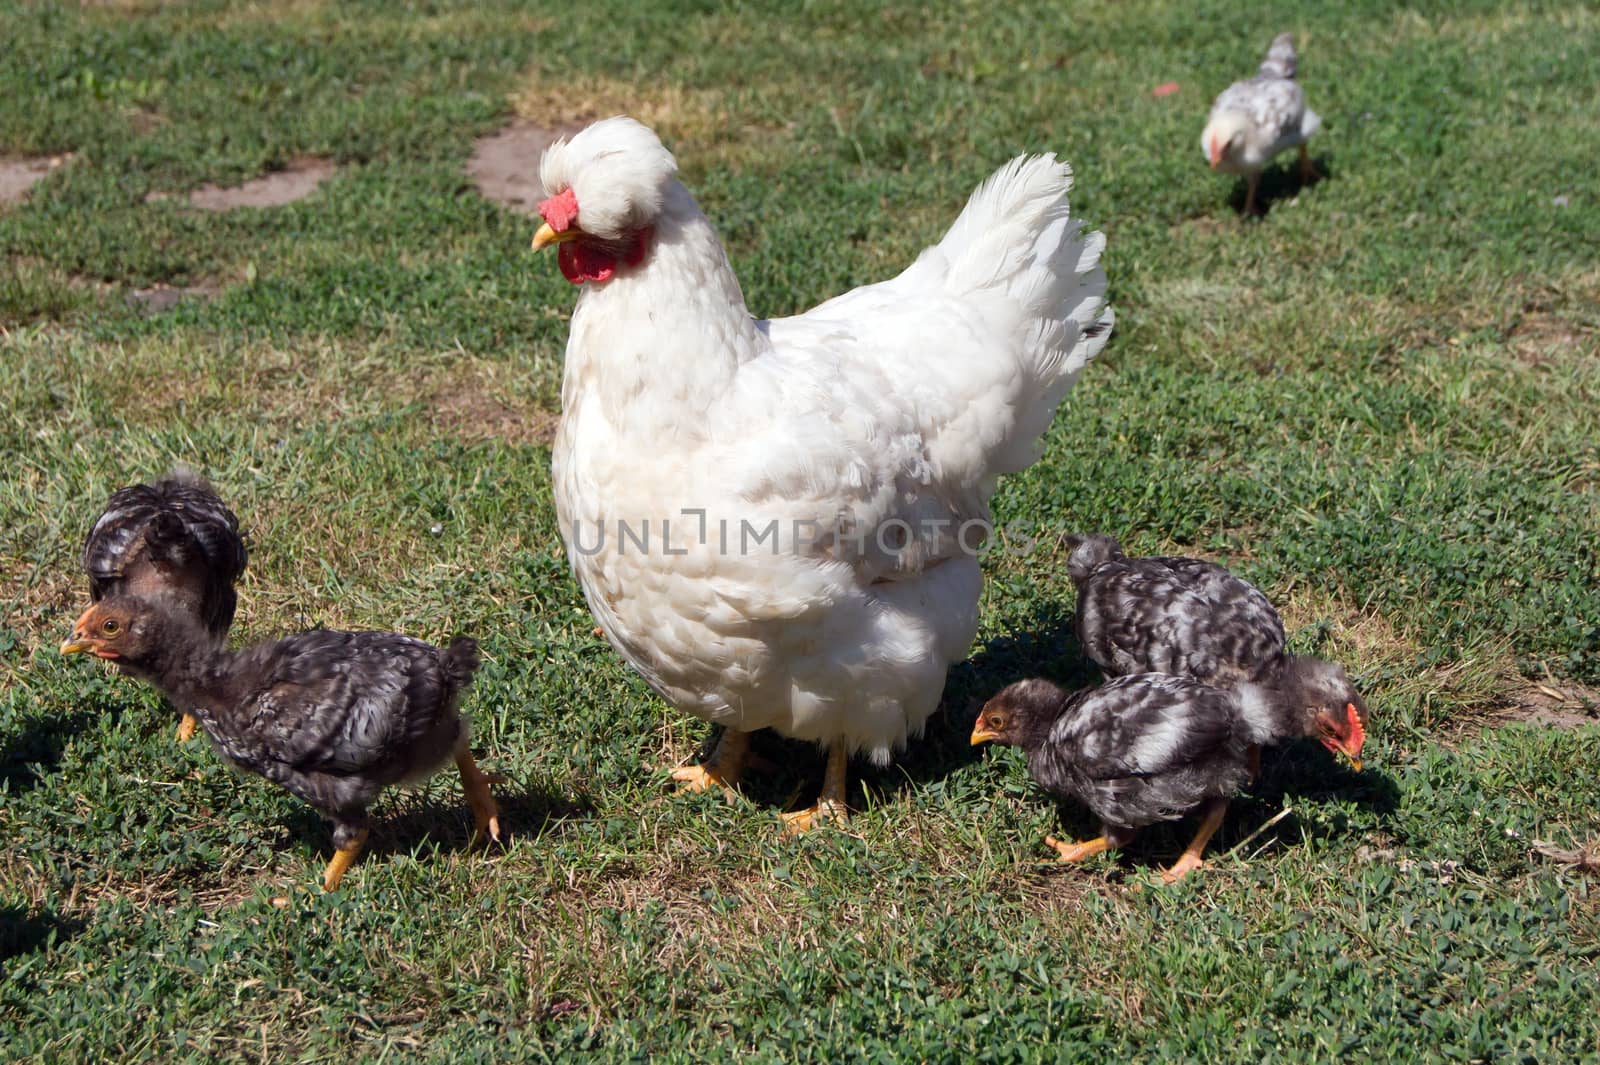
{"x": 1378, "y": 402}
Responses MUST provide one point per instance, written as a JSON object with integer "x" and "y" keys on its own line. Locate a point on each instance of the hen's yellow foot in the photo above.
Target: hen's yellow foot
{"x": 1077, "y": 852}
{"x": 800, "y": 821}
{"x": 704, "y": 777}
{"x": 186, "y": 728}
{"x": 722, "y": 770}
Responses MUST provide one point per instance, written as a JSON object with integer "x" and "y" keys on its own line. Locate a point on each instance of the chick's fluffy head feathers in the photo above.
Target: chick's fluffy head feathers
{"x": 617, "y": 172}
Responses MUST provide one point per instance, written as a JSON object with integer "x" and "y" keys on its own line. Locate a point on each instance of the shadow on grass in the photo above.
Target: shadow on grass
{"x": 792, "y": 770}
{"x": 415, "y": 821}
{"x": 1281, "y": 182}
{"x": 29, "y": 755}
{"x": 22, "y": 932}
{"x": 1294, "y": 774}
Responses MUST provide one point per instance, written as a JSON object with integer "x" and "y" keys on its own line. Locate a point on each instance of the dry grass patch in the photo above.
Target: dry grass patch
{"x": 700, "y": 126}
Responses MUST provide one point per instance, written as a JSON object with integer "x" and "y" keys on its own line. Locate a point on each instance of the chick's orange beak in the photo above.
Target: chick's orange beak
{"x": 982, "y": 735}
{"x": 547, "y": 236}
{"x": 76, "y": 645}
{"x": 1214, "y": 153}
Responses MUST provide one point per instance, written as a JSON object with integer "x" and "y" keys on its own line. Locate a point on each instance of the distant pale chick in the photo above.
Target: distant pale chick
{"x": 174, "y": 540}
{"x": 1192, "y": 618}
{"x": 1252, "y": 121}
{"x": 333, "y": 717}
{"x": 1137, "y": 750}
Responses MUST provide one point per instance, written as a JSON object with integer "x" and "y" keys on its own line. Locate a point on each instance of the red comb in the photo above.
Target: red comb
{"x": 560, "y": 210}
{"x": 1358, "y": 732}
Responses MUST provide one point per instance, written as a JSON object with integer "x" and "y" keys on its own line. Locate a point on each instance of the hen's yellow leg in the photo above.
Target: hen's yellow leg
{"x": 1077, "y": 852}
{"x": 830, "y": 805}
{"x": 475, "y": 783}
{"x": 722, "y": 769}
{"x": 343, "y": 858}
{"x": 186, "y": 728}
{"x": 1190, "y": 860}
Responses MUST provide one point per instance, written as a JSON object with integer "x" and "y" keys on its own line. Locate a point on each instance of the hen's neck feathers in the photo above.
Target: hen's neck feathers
{"x": 674, "y": 329}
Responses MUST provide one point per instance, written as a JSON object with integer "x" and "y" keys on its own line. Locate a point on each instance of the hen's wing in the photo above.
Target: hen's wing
{"x": 175, "y": 537}
{"x": 900, "y": 403}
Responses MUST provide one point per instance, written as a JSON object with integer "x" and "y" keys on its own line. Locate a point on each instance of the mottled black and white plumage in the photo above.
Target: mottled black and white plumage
{"x": 1183, "y": 616}
{"x": 174, "y": 539}
{"x": 1136, "y": 750}
{"x": 1252, "y": 121}
{"x": 333, "y": 717}
{"x": 1194, "y": 619}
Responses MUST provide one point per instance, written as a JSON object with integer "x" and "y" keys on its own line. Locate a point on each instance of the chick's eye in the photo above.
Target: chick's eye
{"x": 997, "y": 721}
{"x": 109, "y": 628}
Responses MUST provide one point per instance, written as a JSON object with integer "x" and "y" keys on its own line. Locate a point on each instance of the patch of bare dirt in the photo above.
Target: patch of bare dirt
{"x": 1541, "y": 338}
{"x": 161, "y": 298}
{"x": 1559, "y": 706}
{"x": 472, "y": 409}
{"x": 505, "y": 165}
{"x": 17, "y": 176}
{"x": 294, "y": 182}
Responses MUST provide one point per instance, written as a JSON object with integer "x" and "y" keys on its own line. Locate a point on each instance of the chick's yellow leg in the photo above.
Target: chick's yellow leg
{"x": 830, "y": 801}
{"x": 343, "y": 858}
{"x": 475, "y": 784}
{"x": 1307, "y": 170}
{"x": 1255, "y": 762}
{"x": 1250, "y": 195}
{"x": 1077, "y": 852}
{"x": 722, "y": 769}
{"x": 1190, "y": 860}
{"x": 186, "y": 728}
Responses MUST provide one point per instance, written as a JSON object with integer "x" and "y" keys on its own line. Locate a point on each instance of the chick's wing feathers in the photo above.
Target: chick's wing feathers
{"x": 1144, "y": 748}
{"x": 343, "y": 703}
{"x": 157, "y": 537}
{"x": 1182, "y": 616}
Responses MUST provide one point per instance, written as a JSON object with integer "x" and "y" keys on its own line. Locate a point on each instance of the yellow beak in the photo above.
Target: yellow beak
{"x": 75, "y": 646}
{"x": 1355, "y": 763}
{"x": 982, "y": 735}
{"x": 547, "y": 236}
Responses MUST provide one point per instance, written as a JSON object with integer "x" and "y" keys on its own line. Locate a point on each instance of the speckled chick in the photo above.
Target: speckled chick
{"x": 1252, "y": 121}
{"x": 333, "y": 717}
{"x": 1136, "y": 750}
{"x": 174, "y": 540}
{"x": 1193, "y": 618}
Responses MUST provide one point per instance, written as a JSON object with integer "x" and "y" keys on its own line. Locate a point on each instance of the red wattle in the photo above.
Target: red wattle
{"x": 582, "y": 262}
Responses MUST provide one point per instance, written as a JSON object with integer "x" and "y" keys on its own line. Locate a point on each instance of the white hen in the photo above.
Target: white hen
{"x": 776, "y": 522}
{"x": 1252, "y": 121}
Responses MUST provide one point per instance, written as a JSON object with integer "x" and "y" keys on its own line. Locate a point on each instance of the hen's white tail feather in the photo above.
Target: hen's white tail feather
{"x": 1015, "y": 236}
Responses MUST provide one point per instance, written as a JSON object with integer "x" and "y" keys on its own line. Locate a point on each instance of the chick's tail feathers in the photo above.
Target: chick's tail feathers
{"x": 1015, "y": 238}
{"x": 1281, "y": 61}
{"x": 459, "y": 662}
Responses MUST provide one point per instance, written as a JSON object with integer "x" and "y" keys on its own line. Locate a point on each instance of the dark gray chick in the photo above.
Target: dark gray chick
{"x": 1193, "y": 618}
{"x": 174, "y": 540}
{"x": 1136, "y": 750}
{"x": 333, "y": 717}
